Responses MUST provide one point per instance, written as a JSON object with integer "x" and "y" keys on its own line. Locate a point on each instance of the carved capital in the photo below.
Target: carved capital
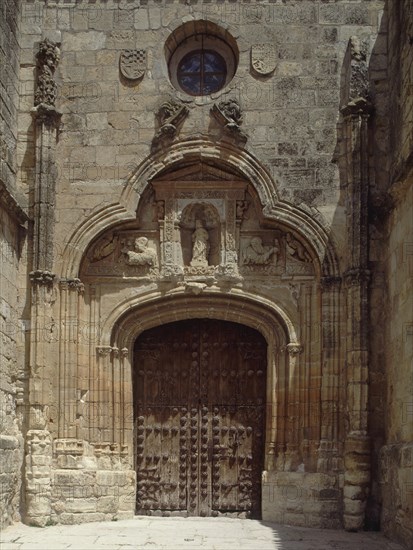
{"x": 73, "y": 284}
{"x": 47, "y": 115}
{"x": 294, "y": 349}
{"x": 359, "y": 107}
{"x": 103, "y": 351}
{"x": 115, "y": 352}
{"x": 41, "y": 277}
{"x": 124, "y": 352}
{"x": 357, "y": 276}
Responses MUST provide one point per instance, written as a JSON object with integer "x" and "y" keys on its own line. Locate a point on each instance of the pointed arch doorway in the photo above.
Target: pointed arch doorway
{"x": 199, "y": 390}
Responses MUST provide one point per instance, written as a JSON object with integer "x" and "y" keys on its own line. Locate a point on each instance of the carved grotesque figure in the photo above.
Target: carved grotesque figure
{"x": 200, "y": 246}
{"x": 142, "y": 254}
{"x": 296, "y": 250}
{"x": 258, "y": 254}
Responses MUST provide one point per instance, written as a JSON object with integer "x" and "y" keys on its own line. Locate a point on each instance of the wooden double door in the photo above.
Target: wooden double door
{"x": 199, "y": 404}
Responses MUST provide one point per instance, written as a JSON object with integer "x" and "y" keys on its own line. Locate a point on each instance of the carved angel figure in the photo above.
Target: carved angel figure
{"x": 200, "y": 246}
{"x": 142, "y": 253}
{"x": 258, "y": 254}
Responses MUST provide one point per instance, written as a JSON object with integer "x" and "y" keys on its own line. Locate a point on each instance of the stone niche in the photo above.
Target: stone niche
{"x": 198, "y": 233}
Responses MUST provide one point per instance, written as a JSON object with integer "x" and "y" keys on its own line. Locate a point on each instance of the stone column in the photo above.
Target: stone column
{"x": 71, "y": 291}
{"x": 46, "y": 122}
{"x": 38, "y": 439}
{"x": 357, "y": 445}
{"x": 292, "y": 455}
{"x": 330, "y": 339}
{"x": 103, "y": 413}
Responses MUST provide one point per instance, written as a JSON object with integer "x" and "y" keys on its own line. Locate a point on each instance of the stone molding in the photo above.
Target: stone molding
{"x": 10, "y": 203}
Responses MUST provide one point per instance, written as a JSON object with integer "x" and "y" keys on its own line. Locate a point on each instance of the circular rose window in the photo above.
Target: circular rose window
{"x": 202, "y": 72}
{"x": 202, "y": 63}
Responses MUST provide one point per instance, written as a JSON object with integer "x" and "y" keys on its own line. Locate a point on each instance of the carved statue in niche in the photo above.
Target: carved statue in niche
{"x": 255, "y": 253}
{"x": 242, "y": 207}
{"x": 142, "y": 255}
{"x": 296, "y": 250}
{"x": 200, "y": 237}
{"x": 200, "y": 246}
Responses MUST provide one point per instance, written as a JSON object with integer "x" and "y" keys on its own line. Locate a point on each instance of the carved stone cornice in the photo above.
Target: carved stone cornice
{"x": 356, "y": 276}
{"x": 42, "y": 277}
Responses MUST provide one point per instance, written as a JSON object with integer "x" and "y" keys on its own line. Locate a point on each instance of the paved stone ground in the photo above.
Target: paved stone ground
{"x": 187, "y": 534}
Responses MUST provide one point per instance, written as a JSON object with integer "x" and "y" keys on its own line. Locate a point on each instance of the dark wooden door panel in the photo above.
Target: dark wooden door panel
{"x": 199, "y": 408}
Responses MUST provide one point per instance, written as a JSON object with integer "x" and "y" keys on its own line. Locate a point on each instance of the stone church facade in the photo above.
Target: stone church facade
{"x": 206, "y": 271}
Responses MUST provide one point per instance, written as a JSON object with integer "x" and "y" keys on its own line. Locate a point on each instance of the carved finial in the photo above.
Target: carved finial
{"x": 48, "y": 58}
{"x": 357, "y": 99}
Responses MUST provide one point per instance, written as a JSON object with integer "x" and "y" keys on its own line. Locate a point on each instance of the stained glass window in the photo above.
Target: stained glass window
{"x": 202, "y": 72}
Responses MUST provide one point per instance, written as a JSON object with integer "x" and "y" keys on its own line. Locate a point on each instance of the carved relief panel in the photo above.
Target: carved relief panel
{"x": 274, "y": 252}
{"x": 126, "y": 254}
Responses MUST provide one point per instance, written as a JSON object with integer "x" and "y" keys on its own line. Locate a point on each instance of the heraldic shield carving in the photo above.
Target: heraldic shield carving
{"x": 132, "y": 64}
{"x": 263, "y": 58}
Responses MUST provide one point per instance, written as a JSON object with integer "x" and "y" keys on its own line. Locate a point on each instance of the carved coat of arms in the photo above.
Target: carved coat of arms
{"x": 132, "y": 64}
{"x": 263, "y": 58}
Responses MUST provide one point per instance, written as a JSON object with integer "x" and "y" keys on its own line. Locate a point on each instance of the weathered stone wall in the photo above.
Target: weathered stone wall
{"x": 391, "y": 253}
{"x": 12, "y": 298}
{"x": 396, "y": 456}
